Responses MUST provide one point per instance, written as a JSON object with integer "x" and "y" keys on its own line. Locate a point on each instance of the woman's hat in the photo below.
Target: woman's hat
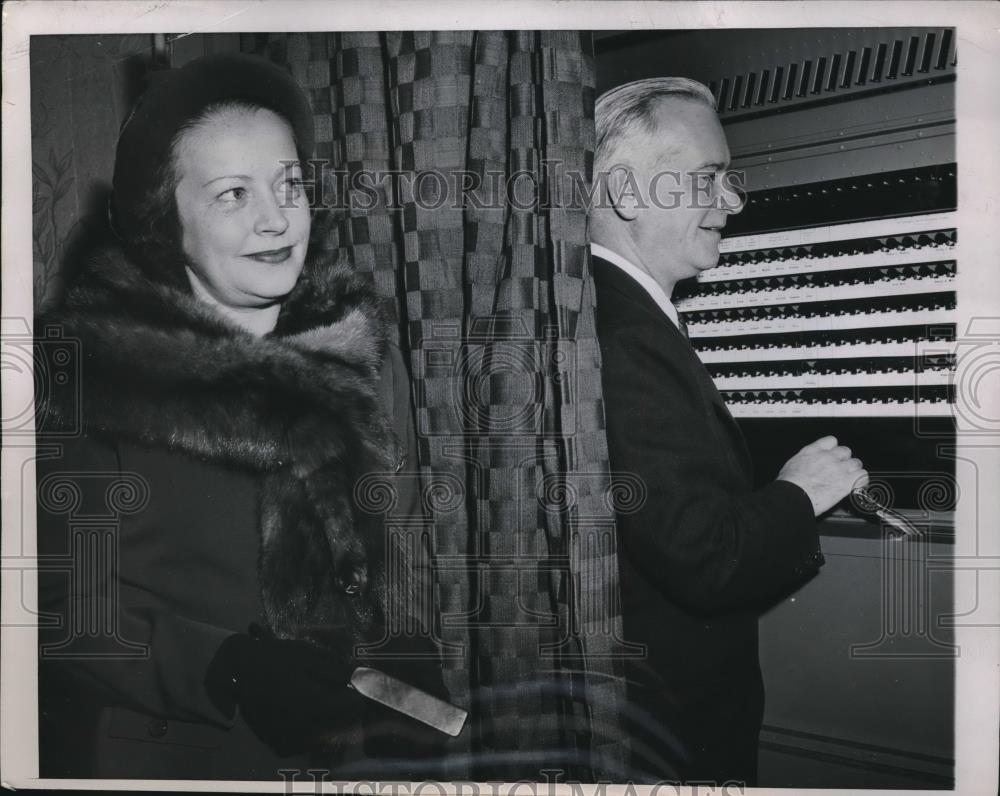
{"x": 175, "y": 97}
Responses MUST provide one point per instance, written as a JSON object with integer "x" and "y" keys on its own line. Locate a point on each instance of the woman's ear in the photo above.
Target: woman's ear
{"x": 622, "y": 192}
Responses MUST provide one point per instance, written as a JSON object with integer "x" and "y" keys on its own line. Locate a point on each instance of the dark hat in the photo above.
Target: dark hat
{"x": 175, "y": 97}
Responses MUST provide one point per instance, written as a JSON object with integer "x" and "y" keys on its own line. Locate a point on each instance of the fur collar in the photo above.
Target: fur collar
{"x": 299, "y": 405}
{"x": 196, "y": 382}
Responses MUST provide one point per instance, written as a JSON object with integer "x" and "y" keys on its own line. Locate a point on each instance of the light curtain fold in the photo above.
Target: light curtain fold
{"x": 461, "y": 163}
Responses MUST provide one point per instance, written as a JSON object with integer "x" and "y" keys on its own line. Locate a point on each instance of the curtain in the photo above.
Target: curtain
{"x": 82, "y": 87}
{"x": 478, "y": 245}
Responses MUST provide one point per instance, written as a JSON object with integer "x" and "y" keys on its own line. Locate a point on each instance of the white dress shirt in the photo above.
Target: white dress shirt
{"x": 649, "y": 284}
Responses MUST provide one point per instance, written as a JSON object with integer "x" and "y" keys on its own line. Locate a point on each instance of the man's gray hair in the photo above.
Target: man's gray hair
{"x": 628, "y": 109}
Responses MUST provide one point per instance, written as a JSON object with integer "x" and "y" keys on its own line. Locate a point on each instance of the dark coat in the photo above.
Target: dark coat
{"x": 700, "y": 554}
{"x": 238, "y": 478}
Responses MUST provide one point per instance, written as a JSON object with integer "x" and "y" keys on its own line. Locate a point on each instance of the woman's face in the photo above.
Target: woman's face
{"x": 244, "y": 220}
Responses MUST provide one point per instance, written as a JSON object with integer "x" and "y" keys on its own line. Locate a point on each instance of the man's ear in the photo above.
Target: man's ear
{"x": 622, "y": 192}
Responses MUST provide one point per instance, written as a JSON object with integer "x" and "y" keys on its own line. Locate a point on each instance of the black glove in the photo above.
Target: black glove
{"x": 289, "y": 692}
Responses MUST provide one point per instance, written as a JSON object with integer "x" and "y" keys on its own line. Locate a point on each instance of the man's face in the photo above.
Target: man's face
{"x": 681, "y": 175}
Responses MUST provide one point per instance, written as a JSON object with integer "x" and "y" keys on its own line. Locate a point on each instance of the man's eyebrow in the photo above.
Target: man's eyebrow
{"x": 715, "y": 165}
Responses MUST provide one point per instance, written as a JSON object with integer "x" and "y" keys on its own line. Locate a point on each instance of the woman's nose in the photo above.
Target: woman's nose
{"x": 271, "y": 219}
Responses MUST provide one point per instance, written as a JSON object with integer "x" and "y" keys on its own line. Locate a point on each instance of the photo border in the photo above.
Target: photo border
{"x": 977, "y": 551}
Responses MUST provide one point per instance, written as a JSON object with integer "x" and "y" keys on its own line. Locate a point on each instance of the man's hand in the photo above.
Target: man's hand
{"x": 825, "y": 471}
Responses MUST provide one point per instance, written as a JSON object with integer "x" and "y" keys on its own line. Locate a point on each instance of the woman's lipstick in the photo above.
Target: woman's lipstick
{"x": 272, "y": 256}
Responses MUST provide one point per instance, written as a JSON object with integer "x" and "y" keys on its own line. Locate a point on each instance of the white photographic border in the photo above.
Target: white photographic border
{"x": 977, "y": 548}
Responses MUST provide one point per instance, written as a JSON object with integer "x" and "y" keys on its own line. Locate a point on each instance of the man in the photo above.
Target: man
{"x": 704, "y": 552}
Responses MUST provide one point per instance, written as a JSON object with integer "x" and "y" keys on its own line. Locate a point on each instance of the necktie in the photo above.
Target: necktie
{"x": 682, "y": 326}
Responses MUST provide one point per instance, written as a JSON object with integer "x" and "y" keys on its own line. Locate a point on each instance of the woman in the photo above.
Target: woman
{"x": 240, "y": 384}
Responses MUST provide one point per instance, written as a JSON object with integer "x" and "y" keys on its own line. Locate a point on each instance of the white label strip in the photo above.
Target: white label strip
{"x": 820, "y": 352}
{"x": 819, "y": 324}
{"x": 905, "y": 225}
{"x": 833, "y": 380}
{"x": 767, "y": 298}
{"x": 802, "y": 409}
{"x": 815, "y": 265}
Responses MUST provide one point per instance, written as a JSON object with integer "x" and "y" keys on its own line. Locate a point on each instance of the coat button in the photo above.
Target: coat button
{"x": 157, "y": 728}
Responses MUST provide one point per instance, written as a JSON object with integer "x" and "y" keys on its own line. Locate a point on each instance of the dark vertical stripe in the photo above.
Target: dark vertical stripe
{"x": 835, "y": 66}
{"x": 879, "y": 69}
{"x": 866, "y": 59}
{"x": 943, "y": 54}
{"x": 927, "y": 55}
{"x": 779, "y": 77}
{"x": 820, "y": 73}
{"x": 911, "y": 56}
{"x": 804, "y": 82}
{"x": 849, "y": 70}
{"x": 793, "y": 71}
{"x": 765, "y": 79}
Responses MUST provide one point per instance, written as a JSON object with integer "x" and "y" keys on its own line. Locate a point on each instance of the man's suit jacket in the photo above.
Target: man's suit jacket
{"x": 702, "y": 553}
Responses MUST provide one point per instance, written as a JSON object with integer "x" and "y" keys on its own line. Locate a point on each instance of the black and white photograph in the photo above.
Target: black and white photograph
{"x": 532, "y": 396}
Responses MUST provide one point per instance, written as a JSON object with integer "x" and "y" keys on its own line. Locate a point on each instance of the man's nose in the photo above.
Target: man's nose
{"x": 731, "y": 196}
{"x": 271, "y": 219}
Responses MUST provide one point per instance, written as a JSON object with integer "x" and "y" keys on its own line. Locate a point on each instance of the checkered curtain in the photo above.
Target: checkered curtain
{"x": 473, "y": 240}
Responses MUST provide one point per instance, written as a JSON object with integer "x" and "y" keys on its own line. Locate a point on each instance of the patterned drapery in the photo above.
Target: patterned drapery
{"x": 453, "y": 157}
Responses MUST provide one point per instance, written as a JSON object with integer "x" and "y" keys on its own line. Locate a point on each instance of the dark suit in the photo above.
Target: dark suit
{"x": 702, "y": 553}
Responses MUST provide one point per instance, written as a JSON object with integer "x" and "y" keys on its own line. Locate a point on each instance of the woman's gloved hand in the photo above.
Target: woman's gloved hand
{"x": 289, "y": 692}
{"x": 407, "y": 749}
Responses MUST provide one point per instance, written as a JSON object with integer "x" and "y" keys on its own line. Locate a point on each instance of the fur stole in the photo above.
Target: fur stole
{"x": 299, "y": 406}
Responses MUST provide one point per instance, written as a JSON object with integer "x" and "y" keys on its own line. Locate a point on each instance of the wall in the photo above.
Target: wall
{"x": 81, "y": 91}
{"x": 82, "y": 88}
